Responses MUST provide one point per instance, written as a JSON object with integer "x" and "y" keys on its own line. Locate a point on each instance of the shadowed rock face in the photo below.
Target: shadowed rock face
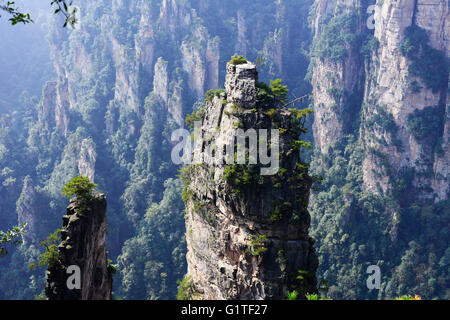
{"x": 83, "y": 245}
{"x": 248, "y": 240}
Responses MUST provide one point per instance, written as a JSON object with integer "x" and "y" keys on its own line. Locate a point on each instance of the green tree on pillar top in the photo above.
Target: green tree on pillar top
{"x": 83, "y": 190}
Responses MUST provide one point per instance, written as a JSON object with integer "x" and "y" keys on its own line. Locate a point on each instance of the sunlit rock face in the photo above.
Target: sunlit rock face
{"x": 250, "y": 240}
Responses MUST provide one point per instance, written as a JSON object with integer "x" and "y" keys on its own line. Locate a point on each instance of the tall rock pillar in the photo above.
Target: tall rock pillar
{"x": 247, "y": 233}
{"x": 83, "y": 246}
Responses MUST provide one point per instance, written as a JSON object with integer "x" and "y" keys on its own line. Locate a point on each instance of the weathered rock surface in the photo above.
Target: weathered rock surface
{"x": 83, "y": 245}
{"x": 389, "y": 85}
{"x": 247, "y": 240}
{"x": 383, "y": 81}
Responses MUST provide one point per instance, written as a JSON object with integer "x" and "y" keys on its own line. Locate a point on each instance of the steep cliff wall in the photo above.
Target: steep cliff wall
{"x": 360, "y": 69}
{"x": 247, "y": 234}
{"x": 380, "y": 85}
{"x": 83, "y": 245}
{"x": 401, "y": 85}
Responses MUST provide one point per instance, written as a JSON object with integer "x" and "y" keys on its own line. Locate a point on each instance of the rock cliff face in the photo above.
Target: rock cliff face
{"x": 26, "y": 212}
{"x": 83, "y": 245}
{"x": 390, "y": 84}
{"x": 385, "y": 84}
{"x": 247, "y": 234}
{"x": 381, "y": 119}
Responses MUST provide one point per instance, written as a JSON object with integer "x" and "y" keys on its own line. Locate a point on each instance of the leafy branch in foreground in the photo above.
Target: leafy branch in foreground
{"x": 63, "y": 7}
{"x": 11, "y": 236}
{"x": 16, "y": 15}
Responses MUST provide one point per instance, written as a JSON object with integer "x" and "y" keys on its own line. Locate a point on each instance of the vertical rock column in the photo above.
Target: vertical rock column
{"x": 84, "y": 246}
{"x": 247, "y": 234}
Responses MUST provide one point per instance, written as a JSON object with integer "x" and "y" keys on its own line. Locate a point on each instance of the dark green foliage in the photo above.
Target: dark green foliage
{"x": 427, "y": 125}
{"x": 299, "y": 117}
{"x": 151, "y": 262}
{"x": 279, "y": 91}
{"x": 384, "y": 120}
{"x": 273, "y": 95}
{"x": 337, "y": 37}
{"x": 369, "y": 46}
{"x": 299, "y": 284}
{"x": 265, "y": 94}
{"x": 427, "y": 63}
{"x": 355, "y": 229}
{"x": 80, "y": 187}
{"x": 193, "y": 117}
{"x": 241, "y": 176}
{"x": 111, "y": 268}
{"x": 258, "y": 244}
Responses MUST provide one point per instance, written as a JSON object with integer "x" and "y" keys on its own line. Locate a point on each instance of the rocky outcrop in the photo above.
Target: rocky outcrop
{"x": 335, "y": 80}
{"x": 83, "y": 245}
{"x": 53, "y": 110}
{"x": 392, "y": 86}
{"x": 161, "y": 80}
{"x": 374, "y": 77}
{"x": 26, "y": 211}
{"x": 87, "y": 159}
{"x": 247, "y": 233}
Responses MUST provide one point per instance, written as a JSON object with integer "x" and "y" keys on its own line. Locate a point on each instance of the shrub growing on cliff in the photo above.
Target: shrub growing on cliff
{"x": 257, "y": 244}
{"x": 197, "y": 115}
{"x": 416, "y": 297}
{"x": 272, "y": 95}
{"x": 238, "y": 59}
{"x": 291, "y": 295}
{"x": 210, "y": 94}
{"x": 80, "y": 187}
{"x": 186, "y": 289}
{"x": 337, "y": 38}
{"x": 240, "y": 176}
{"x": 279, "y": 91}
{"x": 50, "y": 257}
{"x": 427, "y": 125}
{"x": 429, "y": 64}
